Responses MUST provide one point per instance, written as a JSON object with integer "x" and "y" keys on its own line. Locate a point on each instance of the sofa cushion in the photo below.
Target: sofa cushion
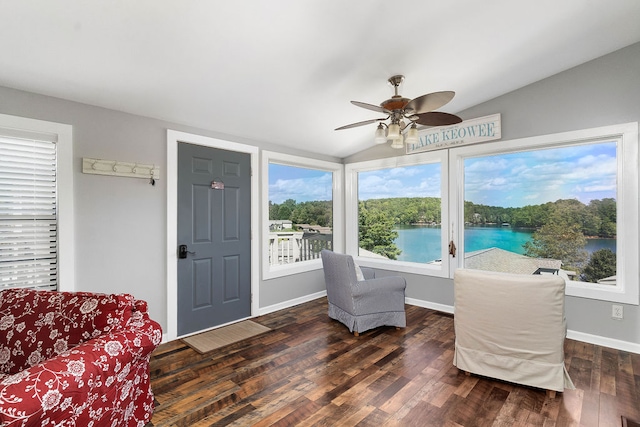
{"x": 37, "y": 325}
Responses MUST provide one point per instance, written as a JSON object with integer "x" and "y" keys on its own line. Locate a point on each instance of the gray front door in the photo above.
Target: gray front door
{"x": 214, "y": 230}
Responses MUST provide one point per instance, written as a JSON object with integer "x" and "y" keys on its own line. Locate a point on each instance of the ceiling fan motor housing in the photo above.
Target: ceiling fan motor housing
{"x": 396, "y": 102}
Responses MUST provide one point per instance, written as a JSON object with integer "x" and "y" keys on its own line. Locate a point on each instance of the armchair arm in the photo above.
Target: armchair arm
{"x": 379, "y": 285}
{"x": 67, "y": 386}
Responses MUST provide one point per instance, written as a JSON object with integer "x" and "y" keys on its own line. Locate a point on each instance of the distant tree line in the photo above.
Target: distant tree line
{"x": 407, "y": 210}
{"x": 597, "y": 219}
{"x": 313, "y": 213}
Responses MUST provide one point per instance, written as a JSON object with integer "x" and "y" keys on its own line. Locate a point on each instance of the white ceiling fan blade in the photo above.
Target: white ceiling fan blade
{"x": 365, "y": 122}
{"x": 370, "y": 107}
{"x": 429, "y": 102}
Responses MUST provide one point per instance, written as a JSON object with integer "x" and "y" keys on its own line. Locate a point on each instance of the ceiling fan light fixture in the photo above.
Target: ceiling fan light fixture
{"x": 412, "y": 135}
{"x": 381, "y": 136}
{"x": 394, "y": 131}
{"x": 418, "y": 111}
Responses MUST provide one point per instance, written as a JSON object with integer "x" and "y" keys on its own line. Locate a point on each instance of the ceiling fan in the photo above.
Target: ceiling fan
{"x": 406, "y": 113}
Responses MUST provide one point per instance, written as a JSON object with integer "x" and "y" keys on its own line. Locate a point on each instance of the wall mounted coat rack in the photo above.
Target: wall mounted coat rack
{"x": 117, "y": 168}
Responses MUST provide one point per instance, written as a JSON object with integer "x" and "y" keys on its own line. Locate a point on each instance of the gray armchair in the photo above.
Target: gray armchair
{"x": 362, "y": 304}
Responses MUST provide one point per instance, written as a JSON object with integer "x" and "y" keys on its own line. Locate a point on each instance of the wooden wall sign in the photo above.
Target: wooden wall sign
{"x": 468, "y": 132}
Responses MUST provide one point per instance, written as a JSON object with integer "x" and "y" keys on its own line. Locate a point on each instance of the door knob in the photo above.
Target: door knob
{"x": 183, "y": 251}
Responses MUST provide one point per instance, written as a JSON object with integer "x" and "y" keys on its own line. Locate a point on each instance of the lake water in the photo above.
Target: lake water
{"x": 422, "y": 243}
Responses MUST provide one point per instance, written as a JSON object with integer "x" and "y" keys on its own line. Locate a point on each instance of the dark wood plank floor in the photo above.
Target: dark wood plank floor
{"x": 310, "y": 371}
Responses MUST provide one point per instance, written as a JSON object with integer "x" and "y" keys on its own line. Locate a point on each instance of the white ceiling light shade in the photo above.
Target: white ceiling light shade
{"x": 412, "y": 135}
{"x": 394, "y": 131}
{"x": 381, "y": 136}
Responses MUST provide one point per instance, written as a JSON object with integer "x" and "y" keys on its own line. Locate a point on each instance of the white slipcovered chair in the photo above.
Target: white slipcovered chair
{"x": 364, "y": 302}
{"x": 511, "y": 327}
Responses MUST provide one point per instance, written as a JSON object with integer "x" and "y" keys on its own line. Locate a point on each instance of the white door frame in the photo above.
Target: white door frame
{"x": 173, "y": 138}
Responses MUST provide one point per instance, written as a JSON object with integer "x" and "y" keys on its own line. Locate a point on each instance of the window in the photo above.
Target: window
{"x": 547, "y": 210}
{"x": 400, "y": 212}
{"x": 301, "y": 212}
{"x": 540, "y": 205}
{"x": 35, "y": 216}
{"x": 553, "y": 204}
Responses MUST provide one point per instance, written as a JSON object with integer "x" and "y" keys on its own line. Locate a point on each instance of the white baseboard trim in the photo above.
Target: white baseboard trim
{"x": 604, "y": 341}
{"x": 574, "y": 335}
{"x": 431, "y": 305}
{"x": 290, "y": 303}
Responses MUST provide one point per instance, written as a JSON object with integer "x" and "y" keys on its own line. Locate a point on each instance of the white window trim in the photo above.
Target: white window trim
{"x": 351, "y": 214}
{"x": 627, "y": 290}
{"x": 271, "y": 272}
{"x": 64, "y": 177}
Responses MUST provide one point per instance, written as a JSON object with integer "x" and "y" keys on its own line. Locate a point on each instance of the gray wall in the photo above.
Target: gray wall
{"x": 602, "y": 92}
{"x": 120, "y": 234}
{"x": 120, "y": 228}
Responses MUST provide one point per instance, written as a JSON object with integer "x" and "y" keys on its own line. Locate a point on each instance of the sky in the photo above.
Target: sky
{"x": 584, "y": 172}
{"x": 299, "y": 184}
{"x": 407, "y": 181}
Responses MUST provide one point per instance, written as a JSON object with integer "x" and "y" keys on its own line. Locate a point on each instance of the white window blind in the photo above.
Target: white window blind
{"x": 28, "y": 219}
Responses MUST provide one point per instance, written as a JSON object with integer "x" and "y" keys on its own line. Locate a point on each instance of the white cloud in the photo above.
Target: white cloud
{"x": 583, "y": 172}
{"x": 302, "y": 189}
{"x": 410, "y": 181}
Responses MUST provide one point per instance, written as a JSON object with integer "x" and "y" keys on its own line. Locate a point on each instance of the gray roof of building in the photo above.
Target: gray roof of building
{"x": 496, "y": 259}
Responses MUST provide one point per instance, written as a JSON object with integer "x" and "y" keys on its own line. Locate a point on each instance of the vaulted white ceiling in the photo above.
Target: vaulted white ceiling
{"x": 284, "y": 71}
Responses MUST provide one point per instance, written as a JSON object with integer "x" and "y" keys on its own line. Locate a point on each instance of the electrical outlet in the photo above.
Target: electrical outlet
{"x": 617, "y": 312}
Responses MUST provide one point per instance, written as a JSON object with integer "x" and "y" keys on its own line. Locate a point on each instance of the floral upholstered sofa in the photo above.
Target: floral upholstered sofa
{"x": 75, "y": 359}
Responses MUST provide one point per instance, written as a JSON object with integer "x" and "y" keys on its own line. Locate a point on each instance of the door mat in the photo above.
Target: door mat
{"x": 628, "y": 423}
{"x": 216, "y": 338}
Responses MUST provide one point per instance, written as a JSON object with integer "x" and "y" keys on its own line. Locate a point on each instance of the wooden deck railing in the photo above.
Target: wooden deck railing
{"x": 290, "y": 247}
